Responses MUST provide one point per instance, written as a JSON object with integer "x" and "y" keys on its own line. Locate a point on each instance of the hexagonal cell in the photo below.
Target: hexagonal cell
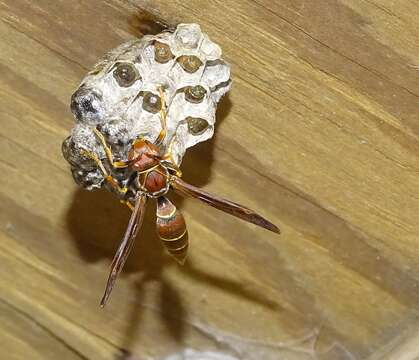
{"x": 121, "y": 97}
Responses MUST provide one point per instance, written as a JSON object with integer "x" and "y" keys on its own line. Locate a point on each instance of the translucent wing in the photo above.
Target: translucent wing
{"x": 227, "y": 206}
{"x": 125, "y": 247}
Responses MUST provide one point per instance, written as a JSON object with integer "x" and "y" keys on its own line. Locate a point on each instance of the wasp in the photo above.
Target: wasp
{"x": 152, "y": 174}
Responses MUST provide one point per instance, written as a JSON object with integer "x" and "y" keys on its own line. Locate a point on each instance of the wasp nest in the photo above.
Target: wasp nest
{"x": 124, "y": 94}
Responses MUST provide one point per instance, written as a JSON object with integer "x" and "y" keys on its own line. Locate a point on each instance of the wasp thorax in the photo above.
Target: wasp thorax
{"x": 197, "y": 126}
{"x": 155, "y": 181}
{"x": 195, "y": 94}
{"x": 152, "y": 102}
{"x": 162, "y": 53}
{"x": 143, "y": 147}
{"x": 126, "y": 74}
{"x": 190, "y": 63}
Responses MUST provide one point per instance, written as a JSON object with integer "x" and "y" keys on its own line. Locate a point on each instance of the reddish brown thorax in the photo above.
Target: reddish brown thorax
{"x": 143, "y": 155}
{"x": 145, "y": 159}
{"x": 154, "y": 181}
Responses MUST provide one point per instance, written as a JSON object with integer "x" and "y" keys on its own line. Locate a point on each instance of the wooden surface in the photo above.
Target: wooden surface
{"x": 319, "y": 133}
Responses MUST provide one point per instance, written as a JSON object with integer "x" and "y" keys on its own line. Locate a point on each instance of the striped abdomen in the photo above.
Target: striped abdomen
{"x": 171, "y": 229}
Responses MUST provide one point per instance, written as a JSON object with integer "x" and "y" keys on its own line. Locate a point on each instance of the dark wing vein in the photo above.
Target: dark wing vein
{"x": 227, "y": 206}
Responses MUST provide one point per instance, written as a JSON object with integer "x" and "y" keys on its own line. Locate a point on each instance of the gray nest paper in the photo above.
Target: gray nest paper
{"x": 124, "y": 94}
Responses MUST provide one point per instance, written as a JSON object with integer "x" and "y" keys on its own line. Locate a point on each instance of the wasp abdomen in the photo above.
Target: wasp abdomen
{"x": 171, "y": 229}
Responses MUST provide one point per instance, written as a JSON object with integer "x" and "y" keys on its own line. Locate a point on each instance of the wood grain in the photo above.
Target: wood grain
{"x": 319, "y": 134}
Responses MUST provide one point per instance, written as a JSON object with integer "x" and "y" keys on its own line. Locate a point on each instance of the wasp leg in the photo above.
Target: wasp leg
{"x": 127, "y": 203}
{"x": 108, "y": 152}
{"x": 169, "y": 158}
{"x": 137, "y": 140}
{"x": 109, "y": 178}
{"x": 163, "y": 118}
{"x": 171, "y": 166}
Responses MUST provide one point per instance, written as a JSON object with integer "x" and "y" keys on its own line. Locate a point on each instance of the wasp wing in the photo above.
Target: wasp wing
{"x": 125, "y": 247}
{"x": 227, "y": 206}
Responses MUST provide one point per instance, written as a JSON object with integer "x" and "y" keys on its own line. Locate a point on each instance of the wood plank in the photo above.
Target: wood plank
{"x": 319, "y": 134}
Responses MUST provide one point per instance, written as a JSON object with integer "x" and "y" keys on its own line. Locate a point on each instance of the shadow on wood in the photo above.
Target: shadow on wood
{"x": 97, "y": 222}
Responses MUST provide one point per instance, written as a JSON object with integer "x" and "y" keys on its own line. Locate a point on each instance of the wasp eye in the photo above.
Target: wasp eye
{"x": 126, "y": 75}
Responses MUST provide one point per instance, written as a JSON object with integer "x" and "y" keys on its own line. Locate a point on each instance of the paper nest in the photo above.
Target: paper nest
{"x": 186, "y": 64}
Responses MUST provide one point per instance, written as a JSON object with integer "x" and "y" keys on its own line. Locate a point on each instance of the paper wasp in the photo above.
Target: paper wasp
{"x": 153, "y": 174}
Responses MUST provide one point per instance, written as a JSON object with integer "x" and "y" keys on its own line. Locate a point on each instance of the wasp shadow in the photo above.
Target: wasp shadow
{"x": 97, "y": 222}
